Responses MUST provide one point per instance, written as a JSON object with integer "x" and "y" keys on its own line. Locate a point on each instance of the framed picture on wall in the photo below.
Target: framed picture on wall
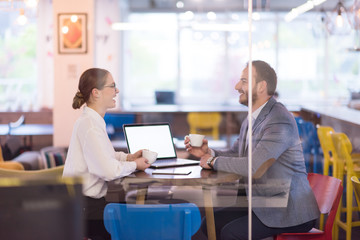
{"x": 72, "y": 33}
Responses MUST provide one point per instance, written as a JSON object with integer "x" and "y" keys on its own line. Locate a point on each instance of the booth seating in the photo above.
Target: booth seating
{"x": 31, "y": 160}
{"x": 310, "y": 144}
{"x": 114, "y": 123}
{"x": 52, "y": 156}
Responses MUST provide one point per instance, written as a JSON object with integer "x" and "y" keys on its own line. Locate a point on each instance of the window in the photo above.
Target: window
{"x": 201, "y": 59}
{"x": 18, "y": 74}
{"x": 26, "y": 70}
{"x": 150, "y": 62}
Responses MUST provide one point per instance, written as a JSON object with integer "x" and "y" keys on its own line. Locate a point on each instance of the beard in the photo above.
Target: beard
{"x": 245, "y": 100}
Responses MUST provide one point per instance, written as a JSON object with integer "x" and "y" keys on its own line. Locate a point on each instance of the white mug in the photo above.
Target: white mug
{"x": 196, "y": 140}
{"x": 149, "y": 155}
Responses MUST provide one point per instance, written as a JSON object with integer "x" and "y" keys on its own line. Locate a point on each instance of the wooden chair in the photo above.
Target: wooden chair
{"x": 204, "y": 123}
{"x": 327, "y": 191}
{"x": 154, "y": 221}
{"x": 343, "y": 150}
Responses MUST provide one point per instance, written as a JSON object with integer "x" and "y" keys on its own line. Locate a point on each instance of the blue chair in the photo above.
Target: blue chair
{"x": 152, "y": 221}
{"x": 114, "y": 123}
{"x": 310, "y": 143}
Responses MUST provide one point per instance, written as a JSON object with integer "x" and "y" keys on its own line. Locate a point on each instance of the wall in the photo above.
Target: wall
{"x": 108, "y": 42}
{"x": 67, "y": 70}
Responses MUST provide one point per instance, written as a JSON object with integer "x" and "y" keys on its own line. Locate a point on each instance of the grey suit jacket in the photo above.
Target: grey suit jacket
{"x": 274, "y": 136}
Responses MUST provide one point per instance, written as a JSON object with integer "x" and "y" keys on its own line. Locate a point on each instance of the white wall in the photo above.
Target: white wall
{"x": 67, "y": 70}
{"x": 107, "y": 41}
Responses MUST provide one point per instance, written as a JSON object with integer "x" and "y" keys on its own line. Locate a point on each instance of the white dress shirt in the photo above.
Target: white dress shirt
{"x": 92, "y": 156}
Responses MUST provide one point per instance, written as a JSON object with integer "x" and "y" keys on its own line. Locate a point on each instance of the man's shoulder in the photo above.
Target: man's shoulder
{"x": 279, "y": 112}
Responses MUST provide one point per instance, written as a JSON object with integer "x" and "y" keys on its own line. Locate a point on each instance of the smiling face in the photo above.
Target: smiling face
{"x": 243, "y": 87}
{"x": 109, "y": 92}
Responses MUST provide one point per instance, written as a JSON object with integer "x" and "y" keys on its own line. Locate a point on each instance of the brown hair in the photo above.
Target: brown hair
{"x": 90, "y": 79}
{"x": 265, "y": 72}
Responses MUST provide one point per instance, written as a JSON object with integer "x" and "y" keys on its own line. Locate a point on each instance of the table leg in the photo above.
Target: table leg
{"x": 141, "y": 195}
{"x": 209, "y": 214}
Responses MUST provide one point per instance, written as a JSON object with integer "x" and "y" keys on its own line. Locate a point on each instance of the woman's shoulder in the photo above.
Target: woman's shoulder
{"x": 85, "y": 123}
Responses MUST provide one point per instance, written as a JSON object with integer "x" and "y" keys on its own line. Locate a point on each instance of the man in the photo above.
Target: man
{"x": 276, "y": 156}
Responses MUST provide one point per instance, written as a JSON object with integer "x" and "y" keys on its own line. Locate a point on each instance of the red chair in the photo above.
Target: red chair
{"x": 327, "y": 192}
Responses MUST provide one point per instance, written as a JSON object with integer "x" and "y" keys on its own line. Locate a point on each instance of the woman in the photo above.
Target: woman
{"x": 91, "y": 154}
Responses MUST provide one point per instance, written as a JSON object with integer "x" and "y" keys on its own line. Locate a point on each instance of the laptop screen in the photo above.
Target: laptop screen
{"x": 156, "y": 137}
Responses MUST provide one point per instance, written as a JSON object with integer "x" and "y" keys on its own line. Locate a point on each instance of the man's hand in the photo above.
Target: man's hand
{"x": 203, "y": 161}
{"x": 197, "y": 151}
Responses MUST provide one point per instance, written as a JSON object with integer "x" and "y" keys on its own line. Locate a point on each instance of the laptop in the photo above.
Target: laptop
{"x": 156, "y": 137}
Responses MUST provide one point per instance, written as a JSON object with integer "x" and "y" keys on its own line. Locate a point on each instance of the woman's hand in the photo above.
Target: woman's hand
{"x": 141, "y": 163}
{"x": 197, "y": 151}
{"x": 132, "y": 157}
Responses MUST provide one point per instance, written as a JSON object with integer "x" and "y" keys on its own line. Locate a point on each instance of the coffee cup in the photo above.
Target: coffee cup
{"x": 196, "y": 140}
{"x": 149, "y": 155}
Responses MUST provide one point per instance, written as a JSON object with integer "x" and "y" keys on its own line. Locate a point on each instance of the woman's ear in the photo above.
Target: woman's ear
{"x": 96, "y": 93}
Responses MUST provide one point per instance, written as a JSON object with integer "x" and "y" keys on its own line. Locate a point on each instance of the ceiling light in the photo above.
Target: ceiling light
{"x": 243, "y": 27}
{"x": 188, "y": 15}
{"x": 211, "y": 15}
{"x": 295, "y": 12}
{"x": 339, "y": 23}
{"x": 256, "y": 16}
{"x": 31, "y": 3}
{"x": 125, "y": 26}
{"x": 179, "y": 4}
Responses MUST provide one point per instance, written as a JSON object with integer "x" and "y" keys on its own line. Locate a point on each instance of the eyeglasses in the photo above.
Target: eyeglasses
{"x": 111, "y": 85}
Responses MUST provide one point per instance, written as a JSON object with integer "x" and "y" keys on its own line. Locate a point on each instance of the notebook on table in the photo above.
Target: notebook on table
{"x": 156, "y": 137}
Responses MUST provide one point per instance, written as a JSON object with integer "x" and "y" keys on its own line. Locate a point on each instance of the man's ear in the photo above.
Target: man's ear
{"x": 262, "y": 86}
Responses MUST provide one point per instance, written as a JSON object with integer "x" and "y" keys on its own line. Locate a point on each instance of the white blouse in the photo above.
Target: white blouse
{"x": 92, "y": 156}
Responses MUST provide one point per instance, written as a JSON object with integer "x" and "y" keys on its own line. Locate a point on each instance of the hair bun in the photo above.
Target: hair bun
{"x": 79, "y": 95}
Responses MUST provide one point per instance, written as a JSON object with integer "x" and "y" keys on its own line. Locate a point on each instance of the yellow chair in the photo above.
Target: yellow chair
{"x": 356, "y": 184}
{"x": 9, "y": 164}
{"x": 55, "y": 172}
{"x": 205, "y": 123}
{"x": 327, "y": 146}
{"x": 343, "y": 150}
